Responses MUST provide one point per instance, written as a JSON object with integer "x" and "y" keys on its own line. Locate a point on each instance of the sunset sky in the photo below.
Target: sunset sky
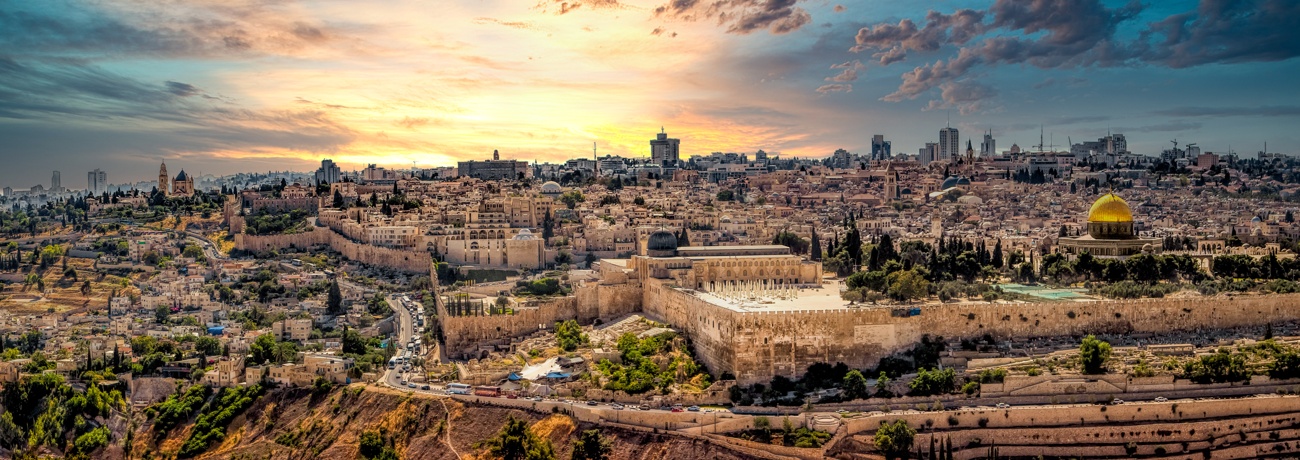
{"x": 222, "y": 86}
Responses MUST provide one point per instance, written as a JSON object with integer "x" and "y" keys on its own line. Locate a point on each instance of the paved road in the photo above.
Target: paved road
{"x": 405, "y": 331}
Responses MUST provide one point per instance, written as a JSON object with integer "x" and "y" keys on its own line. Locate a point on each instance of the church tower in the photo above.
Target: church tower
{"x": 891, "y": 183}
{"x": 163, "y": 180}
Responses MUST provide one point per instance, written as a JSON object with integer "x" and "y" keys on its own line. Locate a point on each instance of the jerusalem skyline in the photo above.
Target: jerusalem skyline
{"x": 257, "y": 86}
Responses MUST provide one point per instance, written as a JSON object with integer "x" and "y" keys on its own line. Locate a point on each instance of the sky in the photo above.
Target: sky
{"x": 224, "y": 86}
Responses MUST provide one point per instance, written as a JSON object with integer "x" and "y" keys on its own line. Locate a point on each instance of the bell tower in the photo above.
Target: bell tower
{"x": 162, "y": 179}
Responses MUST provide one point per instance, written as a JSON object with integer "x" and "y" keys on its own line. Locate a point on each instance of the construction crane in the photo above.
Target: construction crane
{"x": 1175, "y": 141}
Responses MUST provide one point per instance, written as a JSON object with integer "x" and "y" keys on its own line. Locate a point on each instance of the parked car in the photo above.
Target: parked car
{"x": 424, "y": 387}
{"x": 1003, "y": 405}
{"x": 410, "y": 385}
{"x": 1117, "y": 401}
{"x": 677, "y": 409}
{"x": 1161, "y": 399}
{"x": 617, "y": 406}
{"x": 591, "y": 402}
{"x": 693, "y": 408}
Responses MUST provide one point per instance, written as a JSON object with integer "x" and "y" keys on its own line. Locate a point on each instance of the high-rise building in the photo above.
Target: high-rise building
{"x": 663, "y": 149}
{"x": 56, "y": 182}
{"x": 949, "y": 143}
{"x": 928, "y": 153}
{"x": 329, "y": 173}
{"x": 989, "y": 147}
{"x": 879, "y": 147}
{"x": 97, "y": 181}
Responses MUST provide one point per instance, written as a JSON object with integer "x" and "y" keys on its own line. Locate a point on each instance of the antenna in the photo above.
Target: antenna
{"x": 949, "y": 118}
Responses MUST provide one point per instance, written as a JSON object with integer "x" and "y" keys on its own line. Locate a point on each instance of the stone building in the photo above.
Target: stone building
{"x": 1110, "y": 232}
{"x": 494, "y": 169}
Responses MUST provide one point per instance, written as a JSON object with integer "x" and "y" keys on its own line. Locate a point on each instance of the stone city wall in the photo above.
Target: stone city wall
{"x": 280, "y": 205}
{"x": 397, "y": 259}
{"x": 757, "y": 345}
{"x": 1101, "y": 430}
{"x": 464, "y": 335}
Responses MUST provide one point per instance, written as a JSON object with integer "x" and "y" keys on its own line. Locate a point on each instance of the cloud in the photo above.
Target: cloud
{"x": 1260, "y": 111}
{"x": 84, "y": 97}
{"x": 1065, "y": 33}
{"x": 895, "y": 40}
{"x": 968, "y": 97}
{"x": 181, "y": 89}
{"x": 850, "y": 72}
{"x": 1225, "y": 31}
{"x": 840, "y": 8}
{"x": 740, "y": 16}
{"x": 835, "y": 88}
{"x": 1175, "y": 126}
{"x": 512, "y": 24}
{"x": 568, "y": 6}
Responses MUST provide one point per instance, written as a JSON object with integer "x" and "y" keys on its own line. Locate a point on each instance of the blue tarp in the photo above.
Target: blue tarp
{"x": 557, "y": 375}
{"x": 513, "y": 377}
{"x": 216, "y": 330}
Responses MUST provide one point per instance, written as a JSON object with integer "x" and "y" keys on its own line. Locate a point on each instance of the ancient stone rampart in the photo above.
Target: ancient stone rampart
{"x": 397, "y": 259}
{"x": 466, "y": 336}
{"x": 757, "y": 345}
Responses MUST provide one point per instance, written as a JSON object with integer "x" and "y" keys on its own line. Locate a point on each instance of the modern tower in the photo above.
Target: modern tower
{"x": 665, "y": 150}
{"x": 949, "y": 144}
{"x": 97, "y": 181}
{"x": 989, "y": 147}
{"x": 56, "y": 182}
{"x": 879, "y": 147}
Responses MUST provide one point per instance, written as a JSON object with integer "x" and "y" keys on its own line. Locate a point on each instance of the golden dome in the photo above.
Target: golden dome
{"x": 1110, "y": 208}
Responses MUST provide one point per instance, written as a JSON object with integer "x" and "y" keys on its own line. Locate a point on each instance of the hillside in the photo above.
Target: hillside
{"x": 297, "y": 424}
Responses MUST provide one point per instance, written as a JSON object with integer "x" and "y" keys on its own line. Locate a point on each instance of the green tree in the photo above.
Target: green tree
{"x": 161, "y": 314}
{"x": 906, "y": 285}
{"x": 263, "y": 348}
{"x": 571, "y": 198}
{"x": 334, "y": 300}
{"x": 516, "y": 442}
{"x": 569, "y": 335}
{"x": 1093, "y": 353}
{"x": 591, "y": 446}
{"x": 894, "y": 439}
{"x": 855, "y": 385}
{"x": 933, "y": 382}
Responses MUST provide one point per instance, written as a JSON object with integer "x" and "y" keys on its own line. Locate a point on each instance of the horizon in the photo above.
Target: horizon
{"x": 227, "y": 88}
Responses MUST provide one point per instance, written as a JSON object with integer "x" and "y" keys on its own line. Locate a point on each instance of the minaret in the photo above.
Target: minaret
{"x": 163, "y": 179}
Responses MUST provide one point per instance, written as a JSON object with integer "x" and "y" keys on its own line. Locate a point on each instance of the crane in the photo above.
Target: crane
{"x": 1175, "y": 141}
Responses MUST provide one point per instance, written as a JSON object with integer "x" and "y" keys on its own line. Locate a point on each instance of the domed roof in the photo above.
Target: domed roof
{"x": 1110, "y": 208}
{"x": 182, "y": 175}
{"x": 551, "y": 187}
{"x": 954, "y": 181}
{"x": 662, "y": 240}
{"x": 525, "y": 235}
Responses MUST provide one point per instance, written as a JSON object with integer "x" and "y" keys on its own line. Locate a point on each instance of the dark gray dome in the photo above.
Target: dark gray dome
{"x": 662, "y": 240}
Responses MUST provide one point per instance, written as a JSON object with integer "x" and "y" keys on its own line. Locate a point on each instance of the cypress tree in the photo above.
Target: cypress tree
{"x": 816, "y": 246}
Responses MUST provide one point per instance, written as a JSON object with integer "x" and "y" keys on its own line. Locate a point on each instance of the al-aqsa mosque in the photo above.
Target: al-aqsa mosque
{"x": 1110, "y": 232}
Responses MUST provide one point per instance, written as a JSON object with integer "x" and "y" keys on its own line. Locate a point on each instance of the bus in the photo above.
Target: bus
{"x": 458, "y": 389}
{"x": 393, "y": 362}
{"x": 487, "y": 391}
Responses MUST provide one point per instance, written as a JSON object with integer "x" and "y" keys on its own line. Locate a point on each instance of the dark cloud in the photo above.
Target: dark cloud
{"x": 740, "y": 16}
{"x": 1226, "y": 31}
{"x": 1261, "y": 111}
{"x": 83, "y": 98}
{"x": 182, "y": 89}
{"x": 1080, "y": 33}
{"x": 82, "y": 31}
{"x": 895, "y": 40}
